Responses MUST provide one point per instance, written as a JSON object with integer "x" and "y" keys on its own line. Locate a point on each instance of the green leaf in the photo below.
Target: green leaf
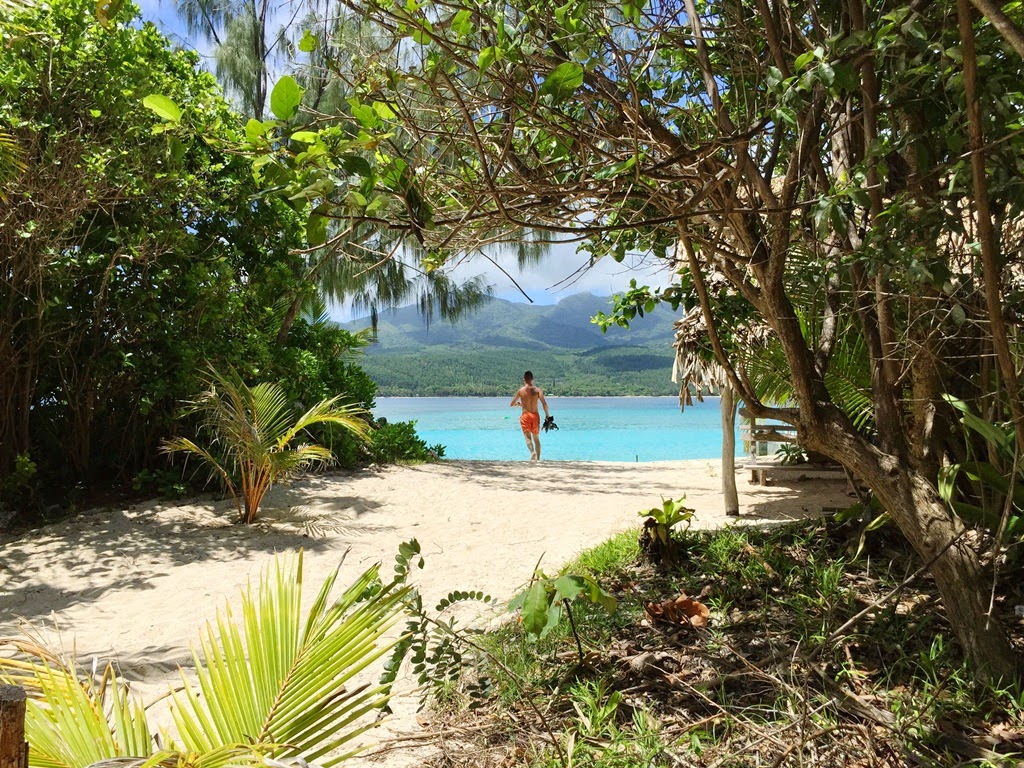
{"x": 384, "y": 111}
{"x": 990, "y": 432}
{"x": 285, "y": 98}
{"x": 803, "y": 60}
{"x": 554, "y": 615}
{"x": 535, "y": 609}
{"x": 163, "y": 107}
{"x": 947, "y": 481}
{"x": 486, "y": 58}
{"x": 631, "y": 9}
{"x": 846, "y": 78}
{"x": 569, "y": 586}
{"x": 316, "y": 229}
{"x": 176, "y": 147}
{"x": 308, "y": 42}
{"x": 365, "y": 114}
{"x": 422, "y": 34}
{"x": 915, "y": 28}
{"x": 563, "y": 80}
{"x": 610, "y": 171}
{"x": 602, "y": 598}
{"x": 357, "y": 166}
{"x": 462, "y": 23}
{"x": 306, "y": 137}
{"x": 255, "y": 130}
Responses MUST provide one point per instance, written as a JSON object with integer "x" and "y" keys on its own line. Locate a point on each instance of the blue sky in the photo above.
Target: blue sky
{"x": 161, "y": 13}
{"x": 563, "y": 273}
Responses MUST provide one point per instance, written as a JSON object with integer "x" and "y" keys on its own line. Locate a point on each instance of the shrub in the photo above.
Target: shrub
{"x": 398, "y": 441}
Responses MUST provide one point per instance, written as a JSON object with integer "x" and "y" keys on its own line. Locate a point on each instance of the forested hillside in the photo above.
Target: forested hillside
{"x": 487, "y": 352}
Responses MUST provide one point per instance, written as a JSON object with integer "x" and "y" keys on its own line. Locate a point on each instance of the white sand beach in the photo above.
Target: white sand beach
{"x": 134, "y": 584}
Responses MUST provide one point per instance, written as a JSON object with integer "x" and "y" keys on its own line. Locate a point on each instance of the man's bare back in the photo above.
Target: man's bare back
{"x": 527, "y": 397}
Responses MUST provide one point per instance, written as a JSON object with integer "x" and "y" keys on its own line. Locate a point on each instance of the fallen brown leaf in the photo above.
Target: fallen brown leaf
{"x": 681, "y": 610}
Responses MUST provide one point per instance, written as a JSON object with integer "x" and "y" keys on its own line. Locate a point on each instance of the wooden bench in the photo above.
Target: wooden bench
{"x": 760, "y": 470}
{"x": 757, "y": 435}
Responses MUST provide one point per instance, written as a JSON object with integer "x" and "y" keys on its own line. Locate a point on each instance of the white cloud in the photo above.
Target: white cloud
{"x": 563, "y": 272}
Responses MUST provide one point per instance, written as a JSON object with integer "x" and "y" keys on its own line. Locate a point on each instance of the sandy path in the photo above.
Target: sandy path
{"x": 134, "y": 584}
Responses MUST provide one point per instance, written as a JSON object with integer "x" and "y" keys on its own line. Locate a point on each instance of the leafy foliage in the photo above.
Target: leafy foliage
{"x": 803, "y": 167}
{"x": 432, "y": 642}
{"x": 994, "y": 496}
{"x": 783, "y": 599}
{"x": 135, "y": 254}
{"x": 396, "y": 441}
{"x": 659, "y": 538}
{"x": 541, "y": 604}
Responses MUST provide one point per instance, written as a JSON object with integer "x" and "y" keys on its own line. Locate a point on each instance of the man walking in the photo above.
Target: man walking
{"x": 527, "y": 397}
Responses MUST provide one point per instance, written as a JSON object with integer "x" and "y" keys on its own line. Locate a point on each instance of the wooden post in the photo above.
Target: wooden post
{"x": 13, "y": 747}
{"x": 729, "y": 494}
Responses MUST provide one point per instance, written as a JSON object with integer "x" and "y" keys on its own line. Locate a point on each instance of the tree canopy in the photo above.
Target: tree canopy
{"x": 134, "y": 254}
{"x": 844, "y": 178}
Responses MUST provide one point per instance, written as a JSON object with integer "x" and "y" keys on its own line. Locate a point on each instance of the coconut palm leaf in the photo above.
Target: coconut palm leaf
{"x": 71, "y": 720}
{"x": 253, "y": 428}
{"x": 270, "y": 683}
{"x": 274, "y": 679}
{"x": 11, "y": 159}
{"x": 848, "y": 378}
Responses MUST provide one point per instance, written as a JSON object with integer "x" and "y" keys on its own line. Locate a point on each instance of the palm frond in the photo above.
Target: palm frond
{"x": 274, "y": 682}
{"x": 66, "y": 719}
{"x": 11, "y": 158}
{"x": 280, "y": 681}
{"x": 10, "y": 7}
{"x": 255, "y": 427}
{"x": 329, "y": 412}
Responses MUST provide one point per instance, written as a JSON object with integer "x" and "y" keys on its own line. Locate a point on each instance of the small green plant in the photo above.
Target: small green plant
{"x": 790, "y": 454}
{"x": 992, "y": 482}
{"x": 659, "y": 539}
{"x": 251, "y": 434}
{"x": 542, "y": 602}
{"x": 434, "y": 643}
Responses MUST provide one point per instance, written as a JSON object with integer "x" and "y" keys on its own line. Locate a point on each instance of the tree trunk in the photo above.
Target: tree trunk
{"x": 990, "y": 256}
{"x": 729, "y": 494}
{"x": 936, "y": 535}
{"x": 289, "y": 320}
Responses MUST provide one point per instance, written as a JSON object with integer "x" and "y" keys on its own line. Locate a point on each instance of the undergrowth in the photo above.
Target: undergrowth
{"x": 779, "y": 676}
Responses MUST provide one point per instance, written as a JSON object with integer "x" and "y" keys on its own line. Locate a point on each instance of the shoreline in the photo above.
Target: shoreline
{"x": 546, "y": 394}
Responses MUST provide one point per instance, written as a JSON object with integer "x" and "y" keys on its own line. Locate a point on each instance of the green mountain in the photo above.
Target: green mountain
{"x": 487, "y": 352}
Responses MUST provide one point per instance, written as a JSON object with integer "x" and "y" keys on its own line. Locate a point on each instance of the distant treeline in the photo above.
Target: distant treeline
{"x": 492, "y": 372}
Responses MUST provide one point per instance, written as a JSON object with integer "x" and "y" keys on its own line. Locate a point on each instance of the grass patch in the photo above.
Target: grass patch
{"x": 608, "y": 559}
{"x": 766, "y": 682}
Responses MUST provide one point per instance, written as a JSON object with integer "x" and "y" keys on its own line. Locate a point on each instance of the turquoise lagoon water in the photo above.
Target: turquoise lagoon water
{"x": 590, "y": 428}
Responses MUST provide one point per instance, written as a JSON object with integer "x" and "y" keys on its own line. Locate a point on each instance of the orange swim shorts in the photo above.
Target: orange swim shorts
{"x": 530, "y": 422}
